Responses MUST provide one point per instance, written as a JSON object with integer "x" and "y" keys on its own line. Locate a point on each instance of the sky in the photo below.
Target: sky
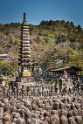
{"x": 38, "y": 10}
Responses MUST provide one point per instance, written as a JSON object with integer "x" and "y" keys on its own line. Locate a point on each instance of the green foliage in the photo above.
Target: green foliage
{"x": 1, "y": 51}
{"x": 7, "y": 68}
{"x": 76, "y": 58}
{"x": 51, "y": 42}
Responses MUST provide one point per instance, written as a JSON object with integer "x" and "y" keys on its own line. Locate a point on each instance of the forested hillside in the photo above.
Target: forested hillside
{"x": 53, "y": 43}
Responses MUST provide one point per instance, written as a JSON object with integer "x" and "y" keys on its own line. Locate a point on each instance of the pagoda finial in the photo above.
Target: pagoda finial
{"x": 24, "y": 17}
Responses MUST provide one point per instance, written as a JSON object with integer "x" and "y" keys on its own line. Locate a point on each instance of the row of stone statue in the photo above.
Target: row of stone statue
{"x": 66, "y": 109}
{"x": 42, "y": 90}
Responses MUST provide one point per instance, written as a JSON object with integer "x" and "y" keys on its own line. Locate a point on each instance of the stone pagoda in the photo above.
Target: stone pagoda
{"x": 24, "y": 50}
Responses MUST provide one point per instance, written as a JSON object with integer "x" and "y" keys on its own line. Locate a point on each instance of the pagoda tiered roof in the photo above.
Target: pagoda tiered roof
{"x": 24, "y": 50}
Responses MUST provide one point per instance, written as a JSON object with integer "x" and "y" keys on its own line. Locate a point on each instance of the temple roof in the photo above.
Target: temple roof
{"x": 64, "y": 68}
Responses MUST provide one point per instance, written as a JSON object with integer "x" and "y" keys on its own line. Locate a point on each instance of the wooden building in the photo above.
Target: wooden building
{"x": 70, "y": 70}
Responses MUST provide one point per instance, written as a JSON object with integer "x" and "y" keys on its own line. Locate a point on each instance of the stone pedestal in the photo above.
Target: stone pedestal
{"x": 26, "y": 81}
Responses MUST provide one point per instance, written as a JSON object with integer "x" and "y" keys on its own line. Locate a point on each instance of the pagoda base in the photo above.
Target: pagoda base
{"x": 27, "y": 81}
